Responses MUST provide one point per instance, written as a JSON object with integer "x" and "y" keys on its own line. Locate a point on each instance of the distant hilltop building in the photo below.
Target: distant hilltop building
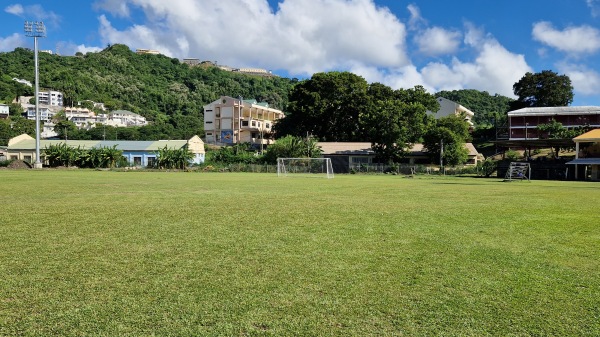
{"x": 47, "y": 51}
{"x": 254, "y": 71}
{"x": 147, "y": 51}
{"x": 192, "y": 62}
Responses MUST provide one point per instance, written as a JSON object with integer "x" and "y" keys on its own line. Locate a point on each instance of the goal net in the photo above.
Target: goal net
{"x": 518, "y": 171}
{"x": 310, "y": 167}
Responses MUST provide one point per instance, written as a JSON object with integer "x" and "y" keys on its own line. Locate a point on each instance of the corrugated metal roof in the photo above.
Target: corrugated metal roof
{"x": 593, "y": 135}
{"x": 124, "y": 145}
{"x": 558, "y": 110}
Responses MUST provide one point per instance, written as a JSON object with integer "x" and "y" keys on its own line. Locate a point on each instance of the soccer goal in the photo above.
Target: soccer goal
{"x": 309, "y": 167}
{"x": 518, "y": 171}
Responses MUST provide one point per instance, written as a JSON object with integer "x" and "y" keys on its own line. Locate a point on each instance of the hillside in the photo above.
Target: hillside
{"x": 485, "y": 106}
{"x": 154, "y": 86}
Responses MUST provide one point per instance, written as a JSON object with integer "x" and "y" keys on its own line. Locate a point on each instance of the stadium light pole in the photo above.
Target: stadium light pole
{"x": 36, "y": 29}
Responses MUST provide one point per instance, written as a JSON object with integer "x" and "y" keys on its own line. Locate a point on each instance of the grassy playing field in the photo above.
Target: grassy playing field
{"x": 102, "y": 253}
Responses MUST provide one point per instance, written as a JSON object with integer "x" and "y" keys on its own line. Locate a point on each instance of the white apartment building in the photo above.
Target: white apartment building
{"x": 126, "y": 118}
{"x": 51, "y": 97}
{"x": 81, "y": 117}
{"x": 231, "y": 120}
{"x": 448, "y": 108}
{"x": 46, "y": 113}
{"x": 4, "y": 110}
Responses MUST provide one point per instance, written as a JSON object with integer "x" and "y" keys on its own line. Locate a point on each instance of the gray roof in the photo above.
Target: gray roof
{"x": 584, "y": 161}
{"x": 124, "y": 145}
{"x": 558, "y": 110}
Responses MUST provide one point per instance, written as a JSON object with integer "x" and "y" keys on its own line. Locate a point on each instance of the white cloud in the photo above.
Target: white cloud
{"x": 494, "y": 69}
{"x": 585, "y": 81}
{"x": 15, "y": 9}
{"x": 438, "y": 41}
{"x": 302, "y": 36}
{"x": 69, "y": 48}
{"x": 36, "y": 12}
{"x": 581, "y": 39}
{"x": 11, "y": 42}
{"x": 116, "y": 7}
{"x": 594, "y": 6}
{"x": 415, "y": 16}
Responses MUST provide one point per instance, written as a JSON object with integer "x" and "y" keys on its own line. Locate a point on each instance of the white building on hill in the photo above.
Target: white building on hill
{"x": 51, "y": 97}
{"x": 448, "y": 108}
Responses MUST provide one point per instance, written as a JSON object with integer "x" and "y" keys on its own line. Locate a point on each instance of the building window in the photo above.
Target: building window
{"x": 208, "y": 122}
{"x": 267, "y": 125}
{"x": 27, "y": 159}
{"x": 254, "y": 134}
{"x": 361, "y": 160}
{"x": 209, "y": 133}
{"x": 244, "y": 123}
{"x": 254, "y": 123}
{"x": 14, "y": 157}
{"x": 151, "y": 161}
{"x": 137, "y": 161}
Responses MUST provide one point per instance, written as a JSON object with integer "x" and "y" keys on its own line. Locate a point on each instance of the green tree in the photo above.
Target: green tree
{"x": 21, "y": 125}
{"x": 395, "y": 119}
{"x": 545, "y": 89}
{"x": 66, "y": 129}
{"x": 327, "y": 106}
{"x": 173, "y": 158}
{"x": 555, "y": 130}
{"x": 452, "y": 132}
{"x": 15, "y": 109}
{"x": 6, "y": 132}
{"x": 292, "y": 147}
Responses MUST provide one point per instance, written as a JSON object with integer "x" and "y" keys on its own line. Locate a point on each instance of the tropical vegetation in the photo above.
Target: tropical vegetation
{"x": 63, "y": 155}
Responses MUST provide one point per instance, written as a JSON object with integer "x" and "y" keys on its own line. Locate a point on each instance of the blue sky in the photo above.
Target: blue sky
{"x": 442, "y": 45}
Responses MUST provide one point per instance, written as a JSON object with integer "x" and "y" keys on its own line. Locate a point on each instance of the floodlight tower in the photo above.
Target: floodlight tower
{"x": 36, "y": 29}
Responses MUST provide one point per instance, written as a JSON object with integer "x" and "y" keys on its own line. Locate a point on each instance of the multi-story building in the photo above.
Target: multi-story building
{"x": 4, "y": 111}
{"x": 50, "y": 97}
{"x": 231, "y": 120}
{"x": 125, "y": 118}
{"x": 46, "y": 113}
{"x": 83, "y": 118}
{"x": 448, "y": 108}
{"x": 523, "y": 123}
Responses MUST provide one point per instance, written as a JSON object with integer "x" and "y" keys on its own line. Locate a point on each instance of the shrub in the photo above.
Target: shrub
{"x": 486, "y": 168}
{"x": 5, "y": 163}
{"x": 511, "y": 155}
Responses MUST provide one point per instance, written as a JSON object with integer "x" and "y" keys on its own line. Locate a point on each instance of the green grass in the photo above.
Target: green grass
{"x": 102, "y": 253}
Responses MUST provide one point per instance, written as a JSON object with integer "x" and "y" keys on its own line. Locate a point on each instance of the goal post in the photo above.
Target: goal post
{"x": 310, "y": 167}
